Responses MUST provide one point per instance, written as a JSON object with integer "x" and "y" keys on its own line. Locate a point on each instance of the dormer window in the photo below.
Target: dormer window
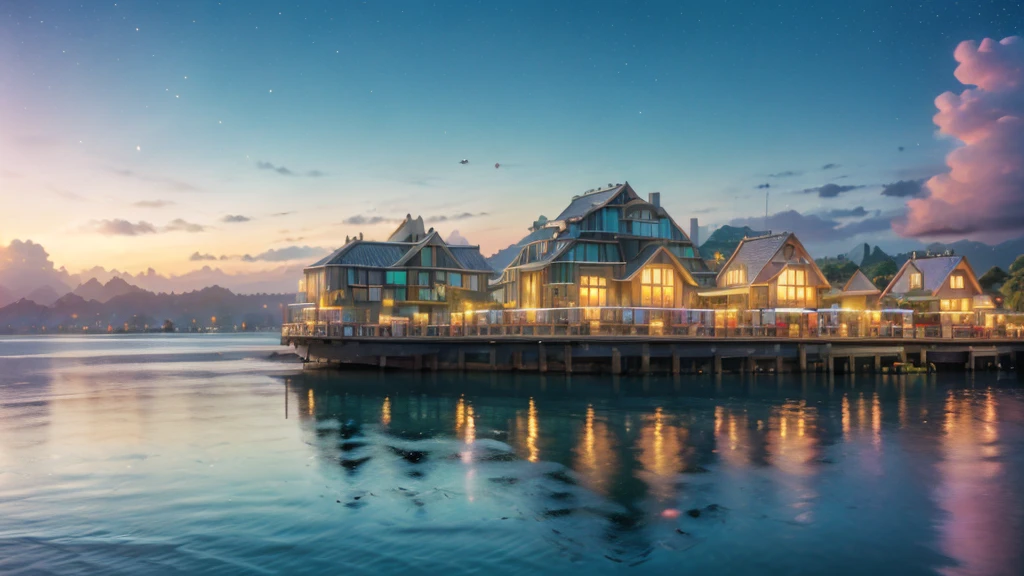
{"x": 916, "y": 281}
{"x": 956, "y": 282}
{"x": 736, "y": 276}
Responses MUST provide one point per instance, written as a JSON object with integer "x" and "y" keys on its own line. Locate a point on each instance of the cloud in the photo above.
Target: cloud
{"x": 785, "y": 174}
{"x": 170, "y": 182}
{"x": 197, "y": 257}
{"x": 453, "y": 217}
{"x": 858, "y": 212}
{"x": 816, "y": 227}
{"x": 982, "y": 194}
{"x": 361, "y": 220}
{"x": 287, "y": 172}
{"x": 830, "y": 190}
{"x": 456, "y": 239}
{"x": 179, "y": 225}
{"x": 905, "y": 189}
{"x": 235, "y": 218}
{"x": 830, "y": 166}
{"x": 152, "y": 203}
{"x": 26, "y": 266}
{"x": 287, "y": 254}
{"x": 279, "y": 214}
{"x": 119, "y": 227}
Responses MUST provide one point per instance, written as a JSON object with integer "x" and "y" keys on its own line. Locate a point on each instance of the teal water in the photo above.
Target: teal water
{"x": 200, "y": 454}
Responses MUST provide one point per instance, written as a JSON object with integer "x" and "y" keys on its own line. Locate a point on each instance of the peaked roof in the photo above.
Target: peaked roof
{"x": 934, "y": 272}
{"x": 860, "y": 285}
{"x": 646, "y": 255}
{"x": 583, "y": 205}
{"x": 755, "y": 253}
{"x": 470, "y": 258}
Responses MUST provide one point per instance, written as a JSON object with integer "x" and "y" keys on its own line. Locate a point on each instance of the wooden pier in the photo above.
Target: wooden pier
{"x": 655, "y": 354}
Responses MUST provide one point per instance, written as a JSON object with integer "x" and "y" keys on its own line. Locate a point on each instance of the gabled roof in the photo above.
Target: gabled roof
{"x": 755, "y": 254}
{"x": 366, "y": 253}
{"x": 649, "y": 253}
{"x": 860, "y": 285}
{"x": 585, "y": 204}
{"x": 432, "y": 239}
{"x": 470, "y": 258}
{"x": 934, "y": 272}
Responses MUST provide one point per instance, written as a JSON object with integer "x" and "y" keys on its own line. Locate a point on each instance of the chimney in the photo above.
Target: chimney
{"x": 913, "y": 255}
{"x": 360, "y": 235}
{"x": 694, "y": 233}
{"x": 655, "y": 198}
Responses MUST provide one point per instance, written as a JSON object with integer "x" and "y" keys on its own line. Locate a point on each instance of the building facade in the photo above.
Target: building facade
{"x": 413, "y": 275}
{"x": 773, "y": 271}
{"x": 607, "y": 248}
{"x": 945, "y": 283}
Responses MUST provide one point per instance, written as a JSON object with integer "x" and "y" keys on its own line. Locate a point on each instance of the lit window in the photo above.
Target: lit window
{"x": 956, "y": 282}
{"x": 593, "y": 291}
{"x": 736, "y": 276}
{"x": 915, "y": 281}
{"x": 657, "y": 287}
{"x": 792, "y": 289}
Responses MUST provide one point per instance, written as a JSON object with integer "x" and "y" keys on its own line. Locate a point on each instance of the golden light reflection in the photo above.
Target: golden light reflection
{"x": 846, "y": 417}
{"x": 312, "y": 402}
{"x": 531, "y": 435}
{"x": 385, "y": 412}
{"x": 661, "y": 445}
{"x": 862, "y": 412}
{"x": 460, "y": 414}
{"x": 738, "y": 445}
{"x": 470, "y": 426}
{"x": 903, "y": 404}
{"x": 876, "y": 420}
{"x": 595, "y": 454}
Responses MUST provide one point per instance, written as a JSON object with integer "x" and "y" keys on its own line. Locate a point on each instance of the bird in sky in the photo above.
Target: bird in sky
{"x": 497, "y": 165}
{"x": 463, "y": 161}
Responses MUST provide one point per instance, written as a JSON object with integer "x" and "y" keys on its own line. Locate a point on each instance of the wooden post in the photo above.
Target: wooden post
{"x": 616, "y": 361}
{"x": 971, "y": 361}
{"x": 831, "y": 364}
{"x": 802, "y": 350}
{"x": 851, "y": 365}
{"x": 382, "y": 361}
{"x": 749, "y": 364}
{"x": 462, "y": 359}
{"x": 542, "y": 358}
{"x": 645, "y": 359}
{"x": 778, "y": 364}
{"x": 924, "y": 356}
{"x": 417, "y": 362}
{"x": 517, "y": 359}
{"x": 494, "y": 358}
{"x": 434, "y": 362}
{"x": 878, "y": 364}
{"x": 717, "y": 365}
{"x": 568, "y": 358}
{"x": 675, "y": 363}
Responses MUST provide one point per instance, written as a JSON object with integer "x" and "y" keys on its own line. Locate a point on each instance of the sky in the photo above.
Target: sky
{"x": 244, "y": 139}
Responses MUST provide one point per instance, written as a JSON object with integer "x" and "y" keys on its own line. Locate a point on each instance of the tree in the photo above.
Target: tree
{"x": 993, "y": 279}
{"x": 882, "y": 273}
{"x": 1018, "y": 265}
{"x": 1013, "y": 287}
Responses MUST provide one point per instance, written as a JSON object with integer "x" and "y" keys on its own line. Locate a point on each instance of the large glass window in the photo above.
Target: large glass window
{"x": 793, "y": 289}
{"x": 455, "y": 279}
{"x": 396, "y": 277}
{"x": 427, "y": 256}
{"x": 657, "y": 287}
{"x": 956, "y": 282}
{"x": 736, "y": 275}
{"x": 915, "y": 281}
{"x": 593, "y": 291}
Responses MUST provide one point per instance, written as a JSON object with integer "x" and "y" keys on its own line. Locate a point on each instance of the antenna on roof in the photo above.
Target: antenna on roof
{"x": 766, "y": 210}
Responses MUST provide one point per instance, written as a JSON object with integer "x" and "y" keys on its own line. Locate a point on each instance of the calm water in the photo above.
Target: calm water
{"x": 201, "y": 455}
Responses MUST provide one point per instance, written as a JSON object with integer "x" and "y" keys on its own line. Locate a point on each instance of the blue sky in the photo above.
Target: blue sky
{"x": 154, "y": 113}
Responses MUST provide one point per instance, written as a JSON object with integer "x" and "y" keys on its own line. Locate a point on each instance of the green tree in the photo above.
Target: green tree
{"x": 1013, "y": 287}
{"x": 993, "y": 278}
{"x": 882, "y": 273}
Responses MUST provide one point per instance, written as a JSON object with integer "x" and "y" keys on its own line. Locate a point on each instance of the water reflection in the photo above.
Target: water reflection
{"x": 392, "y": 472}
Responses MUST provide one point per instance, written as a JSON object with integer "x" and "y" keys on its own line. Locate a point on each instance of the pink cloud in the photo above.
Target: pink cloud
{"x": 982, "y": 195}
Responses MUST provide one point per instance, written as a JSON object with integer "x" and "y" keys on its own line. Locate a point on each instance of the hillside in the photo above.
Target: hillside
{"x": 94, "y": 290}
{"x": 725, "y": 240}
{"x": 981, "y": 256}
{"x": 139, "y": 309}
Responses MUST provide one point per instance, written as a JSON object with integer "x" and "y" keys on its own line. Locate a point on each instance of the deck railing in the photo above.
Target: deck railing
{"x": 666, "y": 322}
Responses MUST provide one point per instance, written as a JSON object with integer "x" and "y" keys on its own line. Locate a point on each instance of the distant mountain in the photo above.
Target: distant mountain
{"x": 93, "y": 290}
{"x": 44, "y": 295}
{"x": 725, "y": 240}
{"x": 981, "y": 256}
{"x": 502, "y": 258}
{"x": 864, "y": 256}
{"x": 6, "y": 296}
{"x": 139, "y": 309}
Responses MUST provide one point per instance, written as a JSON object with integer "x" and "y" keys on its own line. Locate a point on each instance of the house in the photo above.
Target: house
{"x": 943, "y": 283}
{"x": 607, "y": 248}
{"x": 859, "y": 293}
{"x": 771, "y": 271}
{"x": 413, "y": 274}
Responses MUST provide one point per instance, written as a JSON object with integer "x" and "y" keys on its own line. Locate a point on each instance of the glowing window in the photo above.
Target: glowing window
{"x": 956, "y": 282}
{"x": 593, "y": 291}
{"x": 915, "y": 281}
{"x": 657, "y": 287}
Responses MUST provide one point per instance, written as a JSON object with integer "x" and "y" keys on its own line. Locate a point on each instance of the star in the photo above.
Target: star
{"x": 138, "y": 148}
